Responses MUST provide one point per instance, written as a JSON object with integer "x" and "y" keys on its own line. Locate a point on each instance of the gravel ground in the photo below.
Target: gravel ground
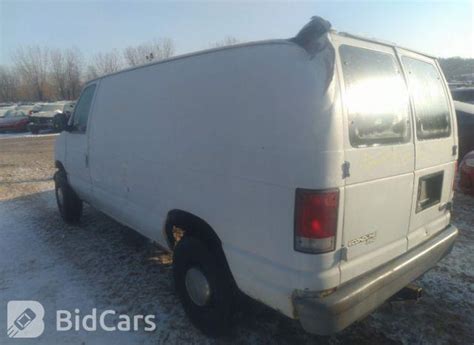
{"x": 105, "y": 265}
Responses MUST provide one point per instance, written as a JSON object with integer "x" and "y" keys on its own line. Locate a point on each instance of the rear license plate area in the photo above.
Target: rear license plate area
{"x": 429, "y": 191}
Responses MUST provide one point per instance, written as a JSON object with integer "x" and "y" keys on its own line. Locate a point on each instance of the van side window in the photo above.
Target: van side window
{"x": 81, "y": 112}
{"x": 429, "y": 98}
{"x": 376, "y": 98}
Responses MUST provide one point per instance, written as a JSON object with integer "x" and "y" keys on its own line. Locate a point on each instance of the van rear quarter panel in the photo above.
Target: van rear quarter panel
{"x": 227, "y": 136}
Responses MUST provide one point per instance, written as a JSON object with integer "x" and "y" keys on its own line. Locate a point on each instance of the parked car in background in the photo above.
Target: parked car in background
{"x": 6, "y": 105}
{"x": 26, "y": 108}
{"x": 69, "y": 108}
{"x": 463, "y": 94}
{"x": 14, "y": 119}
{"x": 466, "y": 174}
{"x": 465, "y": 116}
{"x": 5, "y": 108}
{"x": 52, "y": 116}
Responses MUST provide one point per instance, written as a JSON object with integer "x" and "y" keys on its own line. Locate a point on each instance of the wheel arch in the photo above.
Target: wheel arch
{"x": 195, "y": 226}
{"x": 191, "y": 225}
{"x": 59, "y": 165}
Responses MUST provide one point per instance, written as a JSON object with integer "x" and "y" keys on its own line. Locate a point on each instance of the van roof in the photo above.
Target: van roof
{"x": 315, "y": 27}
{"x": 196, "y": 53}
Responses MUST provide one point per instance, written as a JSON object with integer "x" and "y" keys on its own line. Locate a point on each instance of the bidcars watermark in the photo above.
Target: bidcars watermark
{"x": 107, "y": 320}
{"x": 25, "y": 319}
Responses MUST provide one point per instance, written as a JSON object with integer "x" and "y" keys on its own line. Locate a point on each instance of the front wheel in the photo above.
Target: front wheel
{"x": 203, "y": 286}
{"x": 69, "y": 204}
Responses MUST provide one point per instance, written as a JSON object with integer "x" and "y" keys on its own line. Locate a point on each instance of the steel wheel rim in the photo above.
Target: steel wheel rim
{"x": 60, "y": 197}
{"x": 197, "y": 286}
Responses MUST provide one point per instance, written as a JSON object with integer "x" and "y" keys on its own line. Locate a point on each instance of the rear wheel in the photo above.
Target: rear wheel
{"x": 69, "y": 204}
{"x": 203, "y": 286}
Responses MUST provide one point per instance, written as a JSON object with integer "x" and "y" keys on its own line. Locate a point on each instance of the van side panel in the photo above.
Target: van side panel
{"x": 227, "y": 136}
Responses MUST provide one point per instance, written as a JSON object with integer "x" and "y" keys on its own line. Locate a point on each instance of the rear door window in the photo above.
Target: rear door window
{"x": 376, "y": 97}
{"x": 429, "y": 99}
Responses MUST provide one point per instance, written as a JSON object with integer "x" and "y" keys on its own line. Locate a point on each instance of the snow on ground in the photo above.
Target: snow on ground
{"x": 102, "y": 264}
{"x": 445, "y": 313}
{"x": 105, "y": 265}
{"x": 42, "y": 133}
{"x": 33, "y": 269}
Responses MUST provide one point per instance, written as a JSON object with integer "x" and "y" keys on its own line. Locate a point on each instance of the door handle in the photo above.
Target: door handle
{"x": 455, "y": 150}
{"x": 87, "y": 160}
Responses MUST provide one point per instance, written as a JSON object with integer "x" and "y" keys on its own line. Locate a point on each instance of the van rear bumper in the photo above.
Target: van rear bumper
{"x": 357, "y": 298}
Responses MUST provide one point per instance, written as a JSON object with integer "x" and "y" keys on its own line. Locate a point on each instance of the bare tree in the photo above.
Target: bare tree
{"x": 227, "y": 41}
{"x": 154, "y": 50}
{"x": 58, "y": 72}
{"x": 106, "y": 63}
{"x": 40, "y": 74}
{"x": 9, "y": 85}
{"x": 73, "y": 62}
{"x": 32, "y": 64}
{"x": 91, "y": 72}
{"x": 66, "y": 72}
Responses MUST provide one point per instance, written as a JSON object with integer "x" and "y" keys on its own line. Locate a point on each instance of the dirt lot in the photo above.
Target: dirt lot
{"x": 105, "y": 265}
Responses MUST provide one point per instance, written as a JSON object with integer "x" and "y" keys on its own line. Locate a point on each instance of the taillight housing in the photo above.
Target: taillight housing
{"x": 315, "y": 220}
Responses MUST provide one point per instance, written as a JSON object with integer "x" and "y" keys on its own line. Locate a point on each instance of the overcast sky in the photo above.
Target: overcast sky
{"x": 439, "y": 28}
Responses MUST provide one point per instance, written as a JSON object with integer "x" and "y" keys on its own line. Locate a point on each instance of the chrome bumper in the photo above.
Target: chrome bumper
{"x": 359, "y": 297}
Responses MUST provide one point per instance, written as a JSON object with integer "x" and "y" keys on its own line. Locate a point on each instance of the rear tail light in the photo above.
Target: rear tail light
{"x": 315, "y": 220}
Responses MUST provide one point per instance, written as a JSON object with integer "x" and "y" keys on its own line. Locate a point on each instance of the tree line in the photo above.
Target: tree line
{"x": 39, "y": 73}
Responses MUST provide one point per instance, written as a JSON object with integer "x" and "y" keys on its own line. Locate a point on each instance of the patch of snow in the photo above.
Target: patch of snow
{"x": 42, "y": 133}
{"x": 102, "y": 264}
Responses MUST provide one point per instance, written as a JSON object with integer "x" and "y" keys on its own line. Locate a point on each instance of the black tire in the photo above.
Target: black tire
{"x": 69, "y": 205}
{"x": 34, "y": 130}
{"x": 215, "y": 317}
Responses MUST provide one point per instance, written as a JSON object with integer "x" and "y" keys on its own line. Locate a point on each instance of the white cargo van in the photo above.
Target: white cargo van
{"x": 313, "y": 174}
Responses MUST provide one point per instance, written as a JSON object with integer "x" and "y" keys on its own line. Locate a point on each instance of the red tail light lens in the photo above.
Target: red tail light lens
{"x": 315, "y": 220}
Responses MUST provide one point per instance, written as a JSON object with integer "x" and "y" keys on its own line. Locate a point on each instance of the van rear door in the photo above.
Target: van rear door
{"x": 379, "y": 152}
{"x": 435, "y": 144}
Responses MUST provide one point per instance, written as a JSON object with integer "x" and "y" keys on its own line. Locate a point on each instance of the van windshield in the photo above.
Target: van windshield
{"x": 376, "y": 98}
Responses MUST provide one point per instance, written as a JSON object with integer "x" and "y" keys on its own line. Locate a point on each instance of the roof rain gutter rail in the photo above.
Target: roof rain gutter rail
{"x": 386, "y": 43}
